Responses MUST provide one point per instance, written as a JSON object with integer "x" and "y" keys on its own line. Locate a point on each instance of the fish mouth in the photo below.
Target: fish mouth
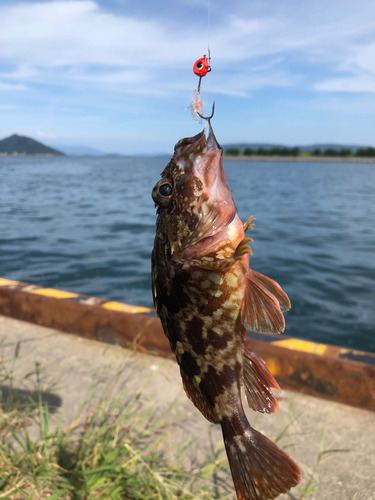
{"x": 201, "y": 158}
{"x": 190, "y": 145}
{"x": 211, "y": 139}
{"x": 198, "y": 144}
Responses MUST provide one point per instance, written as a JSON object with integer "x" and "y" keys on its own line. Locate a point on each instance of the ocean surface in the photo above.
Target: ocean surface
{"x": 87, "y": 224}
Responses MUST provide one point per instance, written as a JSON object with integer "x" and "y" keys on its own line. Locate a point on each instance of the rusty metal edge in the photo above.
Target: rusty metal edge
{"x": 330, "y": 372}
{"x": 89, "y": 317}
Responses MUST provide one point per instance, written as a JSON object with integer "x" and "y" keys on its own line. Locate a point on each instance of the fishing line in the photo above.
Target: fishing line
{"x": 208, "y": 26}
{"x": 201, "y": 67}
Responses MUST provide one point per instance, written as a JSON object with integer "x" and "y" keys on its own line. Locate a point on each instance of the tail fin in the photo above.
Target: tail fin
{"x": 260, "y": 469}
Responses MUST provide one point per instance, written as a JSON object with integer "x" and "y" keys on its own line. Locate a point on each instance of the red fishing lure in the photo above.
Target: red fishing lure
{"x": 202, "y": 66}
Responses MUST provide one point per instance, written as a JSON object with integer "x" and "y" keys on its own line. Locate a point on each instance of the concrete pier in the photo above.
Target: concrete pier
{"x": 315, "y": 424}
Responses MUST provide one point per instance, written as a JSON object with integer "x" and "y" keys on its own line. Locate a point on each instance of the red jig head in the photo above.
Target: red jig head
{"x": 202, "y": 66}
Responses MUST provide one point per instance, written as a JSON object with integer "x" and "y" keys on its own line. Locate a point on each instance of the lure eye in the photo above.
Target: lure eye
{"x": 200, "y": 65}
{"x": 162, "y": 192}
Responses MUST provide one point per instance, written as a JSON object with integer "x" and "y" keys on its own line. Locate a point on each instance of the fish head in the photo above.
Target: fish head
{"x": 194, "y": 200}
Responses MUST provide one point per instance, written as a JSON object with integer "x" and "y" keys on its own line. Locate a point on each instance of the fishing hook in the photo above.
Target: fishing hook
{"x": 199, "y": 84}
{"x": 208, "y": 117}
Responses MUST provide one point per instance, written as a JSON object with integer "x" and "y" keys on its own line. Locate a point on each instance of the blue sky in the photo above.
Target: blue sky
{"x": 117, "y": 74}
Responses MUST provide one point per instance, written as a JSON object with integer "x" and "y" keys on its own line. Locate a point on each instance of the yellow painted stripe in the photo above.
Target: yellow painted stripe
{"x": 119, "y": 306}
{"x": 4, "y": 282}
{"x": 51, "y": 292}
{"x": 274, "y": 366}
{"x": 302, "y": 345}
{"x": 344, "y": 351}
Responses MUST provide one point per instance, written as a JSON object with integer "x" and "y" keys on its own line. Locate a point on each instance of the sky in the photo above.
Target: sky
{"x": 117, "y": 75}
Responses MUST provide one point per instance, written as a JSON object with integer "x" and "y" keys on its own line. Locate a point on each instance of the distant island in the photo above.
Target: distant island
{"x": 77, "y": 150}
{"x": 318, "y": 150}
{"x": 21, "y": 145}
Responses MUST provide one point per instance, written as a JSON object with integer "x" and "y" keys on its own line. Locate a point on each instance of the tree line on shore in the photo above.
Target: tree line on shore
{"x": 284, "y": 151}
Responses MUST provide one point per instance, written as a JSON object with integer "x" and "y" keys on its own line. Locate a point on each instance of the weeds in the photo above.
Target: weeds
{"x": 112, "y": 449}
{"x": 312, "y": 484}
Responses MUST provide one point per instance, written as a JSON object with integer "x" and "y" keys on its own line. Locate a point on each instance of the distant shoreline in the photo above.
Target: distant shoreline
{"x": 310, "y": 159}
{"x": 30, "y": 154}
{"x": 264, "y": 158}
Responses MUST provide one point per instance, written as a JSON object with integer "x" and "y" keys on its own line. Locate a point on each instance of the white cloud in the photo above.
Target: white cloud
{"x": 361, "y": 83}
{"x": 45, "y": 135}
{"x": 11, "y": 86}
{"x": 67, "y": 33}
{"x": 67, "y": 42}
{"x": 249, "y": 82}
{"x": 357, "y": 70}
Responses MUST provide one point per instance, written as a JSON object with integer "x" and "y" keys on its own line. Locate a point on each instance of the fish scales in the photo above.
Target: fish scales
{"x": 206, "y": 295}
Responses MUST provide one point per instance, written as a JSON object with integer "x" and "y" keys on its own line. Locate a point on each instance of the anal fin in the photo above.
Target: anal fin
{"x": 257, "y": 383}
{"x": 263, "y": 304}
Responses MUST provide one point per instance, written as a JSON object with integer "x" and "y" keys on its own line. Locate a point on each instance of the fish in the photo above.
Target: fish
{"x": 206, "y": 295}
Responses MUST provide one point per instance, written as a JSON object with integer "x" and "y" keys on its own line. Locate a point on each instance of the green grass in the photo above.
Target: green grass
{"x": 112, "y": 450}
{"x": 324, "y": 452}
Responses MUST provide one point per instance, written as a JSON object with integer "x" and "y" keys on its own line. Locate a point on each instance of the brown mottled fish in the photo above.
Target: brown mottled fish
{"x": 206, "y": 296}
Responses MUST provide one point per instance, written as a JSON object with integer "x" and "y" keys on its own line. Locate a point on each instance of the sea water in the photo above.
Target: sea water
{"x": 87, "y": 224}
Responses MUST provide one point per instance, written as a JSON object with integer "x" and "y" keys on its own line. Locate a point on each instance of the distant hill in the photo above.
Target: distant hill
{"x": 80, "y": 150}
{"x": 243, "y": 145}
{"x": 253, "y": 145}
{"x": 337, "y": 147}
{"x": 18, "y": 144}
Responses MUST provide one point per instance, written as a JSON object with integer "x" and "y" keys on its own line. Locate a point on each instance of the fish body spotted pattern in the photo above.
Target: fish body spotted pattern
{"x": 206, "y": 296}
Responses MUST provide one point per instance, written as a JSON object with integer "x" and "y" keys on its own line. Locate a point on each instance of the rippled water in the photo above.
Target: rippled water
{"x": 87, "y": 225}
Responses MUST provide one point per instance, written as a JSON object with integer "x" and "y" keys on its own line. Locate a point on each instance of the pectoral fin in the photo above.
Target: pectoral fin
{"x": 219, "y": 264}
{"x": 249, "y": 224}
{"x": 274, "y": 288}
{"x": 263, "y": 304}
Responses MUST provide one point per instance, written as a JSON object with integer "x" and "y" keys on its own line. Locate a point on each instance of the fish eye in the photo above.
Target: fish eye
{"x": 165, "y": 190}
{"x": 162, "y": 192}
{"x": 200, "y": 65}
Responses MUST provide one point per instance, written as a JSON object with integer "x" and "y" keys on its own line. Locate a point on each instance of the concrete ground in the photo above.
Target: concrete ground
{"x": 314, "y": 425}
